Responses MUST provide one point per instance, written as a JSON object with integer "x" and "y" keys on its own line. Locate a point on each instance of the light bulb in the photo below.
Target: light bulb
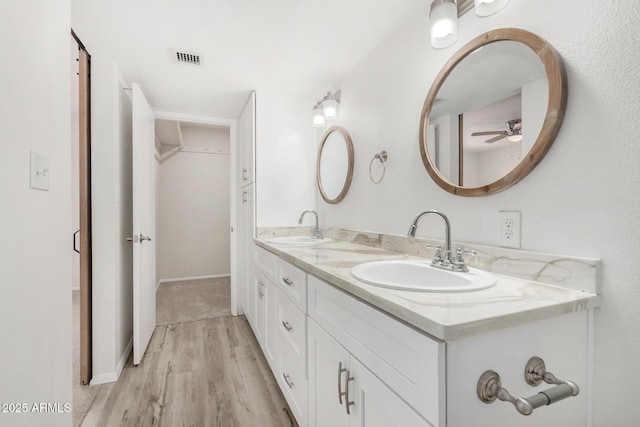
{"x": 318, "y": 116}
{"x": 444, "y": 23}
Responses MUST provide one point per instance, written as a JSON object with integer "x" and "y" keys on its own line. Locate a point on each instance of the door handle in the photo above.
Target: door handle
{"x": 74, "y": 241}
{"x": 136, "y": 238}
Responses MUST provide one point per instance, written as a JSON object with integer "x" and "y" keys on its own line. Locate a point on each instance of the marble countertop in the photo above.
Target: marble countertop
{"x": 446, "y": 316}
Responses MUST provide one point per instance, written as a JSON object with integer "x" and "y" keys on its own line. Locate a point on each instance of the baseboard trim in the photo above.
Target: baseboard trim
{"x": 124, "y": 357}
{"x": 112, "y": 377}
{"x": 181, "y": 279}
{"x": 109, "y": 377}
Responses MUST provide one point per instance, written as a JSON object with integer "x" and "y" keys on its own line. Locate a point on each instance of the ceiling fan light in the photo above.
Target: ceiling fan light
{"x": 318, "y": 116}
{"x": 444, "y": 23}
{"x": 489, "y": 7}
{"x": 516, "y": 137}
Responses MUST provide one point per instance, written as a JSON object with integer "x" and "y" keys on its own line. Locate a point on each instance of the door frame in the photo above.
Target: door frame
{"x": 232, "y": 125}
{"x": 84, "y": 158}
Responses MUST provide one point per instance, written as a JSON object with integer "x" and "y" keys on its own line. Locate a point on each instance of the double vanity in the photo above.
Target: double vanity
{"x": 370, "y": 329}
{"x": 353, "y": 341}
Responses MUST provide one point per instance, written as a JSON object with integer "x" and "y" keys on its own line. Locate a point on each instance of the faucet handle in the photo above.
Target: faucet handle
{"x": 458, "y": 261}
{"x": 437, "y": 257}
{"x": 462, "y": 250}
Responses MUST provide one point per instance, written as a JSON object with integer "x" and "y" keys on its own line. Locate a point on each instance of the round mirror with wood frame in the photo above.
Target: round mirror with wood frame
{"x": 549, "y": 121}
{"x": 334, "y": 165}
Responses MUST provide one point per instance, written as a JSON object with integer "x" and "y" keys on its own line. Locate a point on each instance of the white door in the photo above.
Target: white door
{"x": 144, "y": 224}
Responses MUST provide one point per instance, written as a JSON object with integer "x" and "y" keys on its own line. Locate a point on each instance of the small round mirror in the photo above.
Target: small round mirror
{"x": 492, "y": 112}
{"x": 334, "y": 168}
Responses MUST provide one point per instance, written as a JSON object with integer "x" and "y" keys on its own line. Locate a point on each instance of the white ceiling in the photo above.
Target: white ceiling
{"x": 297, "y": 47}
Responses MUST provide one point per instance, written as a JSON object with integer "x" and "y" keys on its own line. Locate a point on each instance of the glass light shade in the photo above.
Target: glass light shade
{"x": 318, "y": 116}
{"x": 515, "y": 137}
{"x": 444, "y": 23}
{"x": 330, "y": 108}
{"x": 489, "y": 7}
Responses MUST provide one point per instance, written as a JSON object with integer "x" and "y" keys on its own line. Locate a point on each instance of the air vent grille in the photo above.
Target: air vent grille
{"x": 188, "y": 58}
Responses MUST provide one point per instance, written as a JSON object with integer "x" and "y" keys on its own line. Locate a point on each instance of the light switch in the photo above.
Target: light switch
{"x": 38, "y": 171}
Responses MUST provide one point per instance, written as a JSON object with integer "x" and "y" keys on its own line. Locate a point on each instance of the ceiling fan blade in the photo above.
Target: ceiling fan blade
{"x": 494, "y": 132}
{"x": 495, "y": 138}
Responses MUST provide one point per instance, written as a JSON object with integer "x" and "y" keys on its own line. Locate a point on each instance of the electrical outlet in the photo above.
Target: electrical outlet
{"x": 509, "y": 229}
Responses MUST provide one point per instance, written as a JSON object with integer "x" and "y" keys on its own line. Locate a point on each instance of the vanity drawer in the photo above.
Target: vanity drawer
{"x": 293, "y": 382}
{"x": 407, "y": 361}
{"x": 293, "y": 283}
{"x": 266, "y": 262}
{"x": 292, "y": 329}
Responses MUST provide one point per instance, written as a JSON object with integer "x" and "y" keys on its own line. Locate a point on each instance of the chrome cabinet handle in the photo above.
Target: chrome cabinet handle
{"x": 244, "y": 174}
{"x": 348, "y": 379}
{"x": 287, "y": 380}
{"x": 244, "y": 196}
{"x": 340, "y": 392}
{"x": 287, "y": 281}
{"x": 287, "y": 326}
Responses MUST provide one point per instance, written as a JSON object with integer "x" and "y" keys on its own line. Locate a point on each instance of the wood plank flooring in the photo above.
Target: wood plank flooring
{"x": 207, "y": 372}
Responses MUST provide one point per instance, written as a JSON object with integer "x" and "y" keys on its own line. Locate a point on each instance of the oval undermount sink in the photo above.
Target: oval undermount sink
{"x": 297, "y": 240}
{"x": 409, "y": 275}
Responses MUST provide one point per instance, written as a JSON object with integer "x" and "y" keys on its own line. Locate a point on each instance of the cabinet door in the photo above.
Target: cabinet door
{"x": 246, "y": 142}
{"x": 375, "y": 405}
{"x": 259, "y": 320}
{"x": 327, "y": 358}
{"x": 246, "y": 233}
{"x": 271, "y": 323}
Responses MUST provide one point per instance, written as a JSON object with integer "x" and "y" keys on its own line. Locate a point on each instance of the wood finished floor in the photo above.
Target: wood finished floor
{"x": 207, "y": 372}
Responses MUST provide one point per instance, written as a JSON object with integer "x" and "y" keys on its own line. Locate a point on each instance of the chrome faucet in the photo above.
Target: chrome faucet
{"x": 315, "y": 231}
{"x": 446, "y": 261}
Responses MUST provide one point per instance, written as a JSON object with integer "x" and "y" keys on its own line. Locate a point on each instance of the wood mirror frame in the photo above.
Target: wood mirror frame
{"x": 556, "y": 107}
{"x": 349, "y": 174}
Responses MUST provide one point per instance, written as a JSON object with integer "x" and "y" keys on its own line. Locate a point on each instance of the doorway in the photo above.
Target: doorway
{"x": 81, "y": 192}
{"x": 196, "y": 243}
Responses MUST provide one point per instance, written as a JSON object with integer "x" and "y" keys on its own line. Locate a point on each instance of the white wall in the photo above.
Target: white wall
{"x": 193, "y": 209}
{"x": 286, "y": 148}
{"x": 581, "y": 200}
{"x": 111, "y": 200}
{"x": 35, "y": 226}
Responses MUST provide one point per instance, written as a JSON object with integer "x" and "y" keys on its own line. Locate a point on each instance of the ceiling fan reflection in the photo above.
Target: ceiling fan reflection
{"x": 513, "y": 132}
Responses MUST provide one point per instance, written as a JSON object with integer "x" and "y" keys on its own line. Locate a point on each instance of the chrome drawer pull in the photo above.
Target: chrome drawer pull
{"x": 287, "y": 380}
{"x": 287, "y": 281}
{"x": 287, "y": 326}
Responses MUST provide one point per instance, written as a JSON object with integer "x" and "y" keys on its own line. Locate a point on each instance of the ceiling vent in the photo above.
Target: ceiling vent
{"x": 188, "y": 58}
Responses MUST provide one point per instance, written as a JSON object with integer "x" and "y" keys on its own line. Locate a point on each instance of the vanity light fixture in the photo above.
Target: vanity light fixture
{"x": 327, "y": 109}
{"x": 444, "y": 23}
{"x": 489, "y": 7}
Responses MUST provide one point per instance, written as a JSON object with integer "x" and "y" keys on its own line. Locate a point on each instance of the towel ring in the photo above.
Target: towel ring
{"x": 382, "y": 156}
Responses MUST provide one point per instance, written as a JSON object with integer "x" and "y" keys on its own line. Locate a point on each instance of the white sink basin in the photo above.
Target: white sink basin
{"x": 420, "y": 276}
{"x": 297, "y": 240}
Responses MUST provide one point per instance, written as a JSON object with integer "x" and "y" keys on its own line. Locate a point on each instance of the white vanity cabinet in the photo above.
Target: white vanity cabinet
{"x": 398, "y": 372}
{"x": 291, "y": 324}
{"x": 341, "y": 361}
{"x": 266, "y": 302}
{"x": 343, "y": 392}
